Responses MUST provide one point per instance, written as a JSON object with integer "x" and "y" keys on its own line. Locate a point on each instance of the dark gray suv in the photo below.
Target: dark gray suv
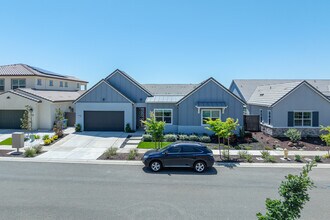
{"x": 180, "y": 154}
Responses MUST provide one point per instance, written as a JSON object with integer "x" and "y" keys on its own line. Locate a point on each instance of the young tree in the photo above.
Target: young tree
{"x": 326, "y": 137}
{"x": 230, "y": 126}
{"x": 294, "y": 191}
{"x": 216, "y": 126}
{"x": 155, "y": 129}
{"x": 58, "y": 124}
{"x": 26, "y": 120}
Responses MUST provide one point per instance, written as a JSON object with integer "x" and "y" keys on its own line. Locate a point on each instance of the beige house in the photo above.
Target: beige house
{"x": 44, "y": 91}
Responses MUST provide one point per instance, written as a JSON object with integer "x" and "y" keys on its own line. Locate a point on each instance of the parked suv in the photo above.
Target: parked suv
{"x": 182, "y": 154}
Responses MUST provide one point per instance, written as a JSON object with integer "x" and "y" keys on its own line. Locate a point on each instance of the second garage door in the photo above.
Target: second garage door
{"x": 11, "y": 119}
{"x": 104, "y": 120}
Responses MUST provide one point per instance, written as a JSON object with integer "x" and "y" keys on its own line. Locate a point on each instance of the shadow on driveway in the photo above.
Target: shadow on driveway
{"x": 181, "y": 171}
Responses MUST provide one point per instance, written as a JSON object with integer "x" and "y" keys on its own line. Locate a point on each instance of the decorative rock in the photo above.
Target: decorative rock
{"x": 290, "y": 144}
{"x": 308, "y": 159}
{"x": 317, "y": 148}
{"x": 282, "y": 158}
{"x": 259, "y": 158}
{"x": 276, "y": 142}
{"x": 294, "y": 148}
{"x": 279, "y": 148}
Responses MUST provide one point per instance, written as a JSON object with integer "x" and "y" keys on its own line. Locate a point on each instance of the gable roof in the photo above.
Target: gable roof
{"x": 270, "y": 95}
{"x": 206, "y": 82}
{"x": 26, "y": 70}
{"x": 130, "y": 79}
{"x": 96, "y": 85}
{"x": 22, "y": 95}
{"x": 170, "y": 89}
{"x": 246, "y": 87}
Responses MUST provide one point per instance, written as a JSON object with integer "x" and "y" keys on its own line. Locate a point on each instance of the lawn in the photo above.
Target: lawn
{"x": 7, "y": 141}
{"x": 151, "y": 145}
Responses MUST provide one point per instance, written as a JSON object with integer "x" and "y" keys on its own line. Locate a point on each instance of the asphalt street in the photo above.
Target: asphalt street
{"x": 86, "y": 191}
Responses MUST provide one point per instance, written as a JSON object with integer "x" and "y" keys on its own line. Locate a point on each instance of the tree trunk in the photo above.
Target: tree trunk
{"x": 219, "y": 147}
{"x": 228, "y": 150}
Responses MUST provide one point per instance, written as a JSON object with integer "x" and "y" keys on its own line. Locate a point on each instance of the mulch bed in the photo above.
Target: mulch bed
{"x": 120, "y": 156}
{"x": 4, "y": 153}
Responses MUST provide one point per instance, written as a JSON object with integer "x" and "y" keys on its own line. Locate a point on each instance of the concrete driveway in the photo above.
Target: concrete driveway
{"x": 84, "y": 145}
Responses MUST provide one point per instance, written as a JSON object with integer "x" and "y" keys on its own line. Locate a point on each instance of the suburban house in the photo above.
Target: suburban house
{"x": 43, "y": 91}
{"x": 284, "y": 104}
{"x": 119, "y": 100}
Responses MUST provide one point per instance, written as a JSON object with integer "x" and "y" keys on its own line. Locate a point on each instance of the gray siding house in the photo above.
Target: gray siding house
{"x": 284, "y": 104}
{"x": 119, "y": 100}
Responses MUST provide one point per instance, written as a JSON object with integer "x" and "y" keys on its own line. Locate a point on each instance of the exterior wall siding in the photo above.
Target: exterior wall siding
{"x": 128, "y": 88}
{"x": 255, "y": 110}
{"x": 103, "y": 93}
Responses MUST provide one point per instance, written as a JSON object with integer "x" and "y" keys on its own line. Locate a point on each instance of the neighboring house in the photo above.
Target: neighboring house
{"x": 44, "y": 91}
{"x": 284, "y": 104}
{"x": 119, "y": 100}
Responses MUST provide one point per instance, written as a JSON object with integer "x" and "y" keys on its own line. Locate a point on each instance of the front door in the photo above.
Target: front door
{"x": 140, "y": 116}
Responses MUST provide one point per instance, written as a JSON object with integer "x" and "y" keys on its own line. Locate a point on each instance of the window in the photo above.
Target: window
{"x": 78, "y": 85}
{"x": 302, "y": 119}
{"x": 39, "y": 82}
{"x": 61, "y": 83}
{"x": 66, "y": 84}
{"x": 2, "y": 85}
{"x": 18, "y": 83}
{"x": 51, "y": 83}
{"x": 173, "y": 150}
{"x": 269, "y": 116}
{"x": 190, "y": 149}
{"x": 163, "y": 115}
{"x": 260, "y": 116}
{"x": 213, "y": 114}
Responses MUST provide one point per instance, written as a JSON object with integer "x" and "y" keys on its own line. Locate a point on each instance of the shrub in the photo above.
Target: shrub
{"x": 47, "y": 141}
{"x": 30, "y": 152}
{"x": 297, "y": 158}
{"x": 110, "y": 152}
{"x": 205, "y": 139}
{"x": 270, "y": 159}
{"x": 326, "y": 156}
{"x": 183, "y": 137}
{"x": 78, "y": 128}
{"x": 268, "y": 148}
{"x": 55, "y": 137}
{"x": 225, "y": 154}
{"x": 247, "y": 148}
{"x": 170, "y": 138}
{"x": 36, "y": 136}
{"x": 38, "y": 148}
{"x": 264, "y": 154}
{"x": 132, "y": 154}
{"x": 147, "y": 138}
{"x": 128, "y": 128}
{"x": 193, "y": 138}
{"x": 242, "y": 154}
{"x": 45, "y": 137}
{"x": 293, "y": 134}
{"x": 318, "y": 159}
{"x": 249, "y": 158}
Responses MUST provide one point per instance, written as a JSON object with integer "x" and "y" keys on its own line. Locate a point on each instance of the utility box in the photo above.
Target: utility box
{"x": 18, "y": 140}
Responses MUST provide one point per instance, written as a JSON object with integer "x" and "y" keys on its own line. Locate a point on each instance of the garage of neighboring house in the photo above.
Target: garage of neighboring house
{"x": 104, "y": 120}
{"x": 11, "y": 119}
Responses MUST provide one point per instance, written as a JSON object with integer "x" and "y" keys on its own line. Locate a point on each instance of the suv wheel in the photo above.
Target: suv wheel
{"x": 155, "y": 166}
{"x": 199, "y": 166}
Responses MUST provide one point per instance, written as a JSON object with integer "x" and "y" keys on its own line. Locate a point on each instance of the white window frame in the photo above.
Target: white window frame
{"x": 51, "y": 83}
{"x": 19, "y": 86}
{"x": 78, "y": 85}
{"x": 2, "y": 90}
{"x": 66, "y": 84}
{"x": 61, "y": 83}
{"x": 269, "y": 117}
{"x": 202, "y": 121}
{"x": 261, "y": 118}
{"x": 39, "y": 80}
{"x": 302, "y": 119}
{"x": 165, "y": 109}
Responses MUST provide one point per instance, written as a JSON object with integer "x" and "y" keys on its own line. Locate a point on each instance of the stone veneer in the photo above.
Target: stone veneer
{"x": 279, "y": 132}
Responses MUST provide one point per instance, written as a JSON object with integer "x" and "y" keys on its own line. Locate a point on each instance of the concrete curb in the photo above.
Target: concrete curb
{"x": 139, "y": 163}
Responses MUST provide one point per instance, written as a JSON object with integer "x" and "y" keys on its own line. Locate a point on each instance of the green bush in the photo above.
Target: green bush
{"x": 268, "y": 148}
{"x": 193, "y": 137}
{"x": 38, "y": 148}
{"x": 249, "y": 158}
{"x": 128, "y": 128}
{"x": 45, "y": 137}
{"x": 225, "y": 154}
{"x": 183, "y": 137}
{"x": 132, "y": 154}
{"x": 205, "y": 139}
{"x": 326, "y": 156}
{"x": 147, "y": 138}
{"x": 30, "y": 152}
{"x": 293, "y": 134}
{"x": 47, "y": 141}
{"x": 242, "y": 154}
{"x": 110, "y": 152}
{"x": 36, "y": 136}
{"x": 78, "y": 128}
{"x": 297, "y": 158}
{"x": 264, "y": 154}
{"x": 55, "y": 137}
{"x": 318, "y": 159}
{"x": 247, "y": 148}
{"x": 170, "y": 138}
{"x": 270, "y": 159}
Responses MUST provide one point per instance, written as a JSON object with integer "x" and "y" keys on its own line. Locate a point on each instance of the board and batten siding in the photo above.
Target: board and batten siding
{"x": 103, "y": 93}
{"x": 168, "y": 128}
{"x": 128, "y": 88}
{"x": 302, "y": 99}
{"x": 210, "y": 92}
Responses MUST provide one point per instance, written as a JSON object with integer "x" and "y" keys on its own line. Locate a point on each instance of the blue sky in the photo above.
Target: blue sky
{"x": 169, "y": 41}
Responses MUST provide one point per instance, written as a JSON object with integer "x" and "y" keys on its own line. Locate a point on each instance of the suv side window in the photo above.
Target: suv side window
{"x": 174, "y": 150}
{"x": 190, "y": 149}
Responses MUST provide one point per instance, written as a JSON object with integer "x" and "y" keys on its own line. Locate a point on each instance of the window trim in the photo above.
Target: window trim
{"x": 18, "y": 79}
{"x": 39, "y": 80}
{"x": 51, "y": 82}
{"x": 4, "y": 83}
{"x": 302, "y": 119}
{"x": 61, "y": 84}
{"x": 261, "y": 118}
{"x": 66, "y": 85}
{"x": 163, "y": 109}
{"x": 209, "y": 109}
{"x": 78, "y": 86}
{"x": 269, "y": 116}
